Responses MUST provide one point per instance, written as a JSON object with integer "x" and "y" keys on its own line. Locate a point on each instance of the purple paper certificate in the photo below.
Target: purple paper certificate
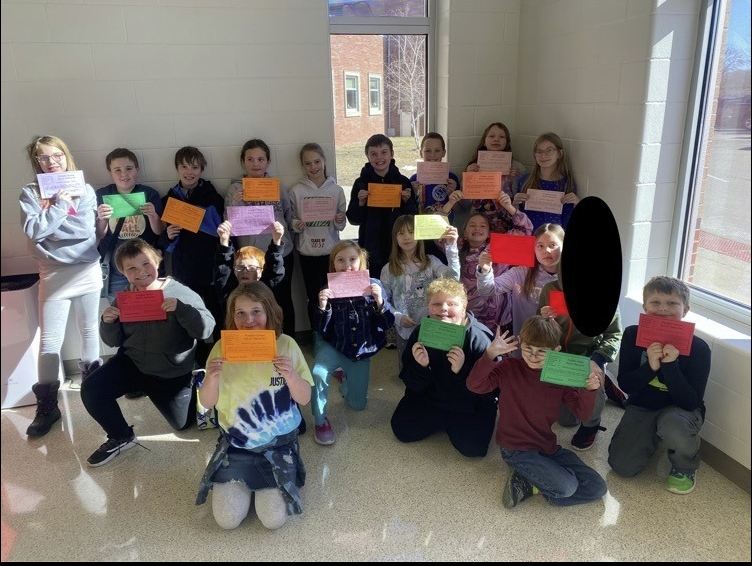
{"x": 251, "y": 220}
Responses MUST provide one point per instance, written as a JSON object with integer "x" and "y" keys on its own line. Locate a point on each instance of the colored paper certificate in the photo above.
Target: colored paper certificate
{"x": 349, "y": 284}
{"x": 441, "y": 335}
{"x": 264, "y": 189}
{"x": 141, "y": 306}
{"x": 52, "y": 183}
{"x": 249, "y": 345}
{"x": 481, "y": 185}
{"x": 665, "y": 331}
{"x": 316, "y": 209}
{"x": 513, "y": 249}
{"x": 125, "y": 205}
{"x": 565, "y": 369}
{"x": 183, "y": 214}
{"x": 429, "y": 226}
{"x": 432, "y": 172}
{"x": 251, "y": 220}
{"x": 544, "y": 201}
{"x": 495, "y": 161}
{"x": 557, "y": 302}
{"x": 384, "y": 195}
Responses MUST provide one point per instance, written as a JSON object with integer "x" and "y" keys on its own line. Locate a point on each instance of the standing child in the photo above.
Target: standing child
{"x": 436, "y": 394}
{"x": 528, "y": 408}
{"x": 61, "y": 237}
{"x": 122, "y": 164}
{"x": 410, "y": 271}
{"x": 665, "y": 391}
{"x": 192, "y": 254}
{"x": 314, "y": 239}
{"x": 353, "y": 330}
{"x": 257, "y": 407}
{"x": 375, "y": 223}
{"x": 255, "y": 157}
{"x": 550, "y": 173}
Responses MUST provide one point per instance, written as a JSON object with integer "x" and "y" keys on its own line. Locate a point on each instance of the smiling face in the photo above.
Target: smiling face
{"x": 141, "y": 271}
{"x": 548, "y": 251}
{"x": 496, "y": 139}
{"x": 124, "y": 174}
{"x": 380, "y": 157}
{"x": 432, "y": 150}
{"x": 477, "y": 231}
{"x": 665, "y": 305}
{"x": 255, "y": 162}
{"x": 51, "y": 159}
{"x": 189, "y": 174}
{"x": 249, "y": 314}
{"x": 406, "y": 240}
{"x": 347, "y": 260}
{"x": 533, "y": 355}
{"x": 547, "y": 155}
{"x": 314, "y": 166}
{"x": 447, "y": 308}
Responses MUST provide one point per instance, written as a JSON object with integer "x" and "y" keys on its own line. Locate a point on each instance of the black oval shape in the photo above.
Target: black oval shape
{"x": 591, "y": 266}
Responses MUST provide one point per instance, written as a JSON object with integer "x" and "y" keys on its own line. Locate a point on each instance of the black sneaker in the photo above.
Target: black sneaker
{"x": 517, "y": 489}
{"x": 614, "y": 393}
{"x": 110, "y": 449}
{"x": 134, "y": 394}
{"x": 585, "y": 436}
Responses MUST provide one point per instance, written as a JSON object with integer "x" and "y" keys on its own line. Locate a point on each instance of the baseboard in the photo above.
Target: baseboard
{"x": 725, "y": 465}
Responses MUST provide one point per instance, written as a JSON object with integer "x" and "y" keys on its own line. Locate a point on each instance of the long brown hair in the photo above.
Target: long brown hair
{"x": 397, "y": 257}
{"x": 533, "y": 180}
{"x": 260, "y": 293}
{"x": 482, "y": 143}
{"x": 532, "y": 273}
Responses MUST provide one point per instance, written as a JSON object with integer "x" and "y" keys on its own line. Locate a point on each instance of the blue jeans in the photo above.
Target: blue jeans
{"x": 354, "y": 389}
{"x": 561, "y": 477}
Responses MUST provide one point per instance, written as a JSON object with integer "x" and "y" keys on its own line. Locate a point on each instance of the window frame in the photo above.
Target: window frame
{"x": 380, "y": 108}
{"x": 349, "y": 113}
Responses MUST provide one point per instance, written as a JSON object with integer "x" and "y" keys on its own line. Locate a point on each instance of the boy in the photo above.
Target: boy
{"x": 192, "y": 254}
{"x": 122, "y": 164}
{"x": 436, "y": 397}
{"x": 528, "y": 407}
{"x": 665, "y": 394}
{"x": 375, "y": 232}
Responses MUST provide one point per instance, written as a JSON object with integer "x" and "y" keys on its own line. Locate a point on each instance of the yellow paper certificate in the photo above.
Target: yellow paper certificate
{"x": 183, "y": 214}
{"x": 249, "y": 345}
{"x": 430, "y": 226}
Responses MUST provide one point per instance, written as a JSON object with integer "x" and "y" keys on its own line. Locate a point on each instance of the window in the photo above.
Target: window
{"x": 374, "y": 94}
{"x": 352, "y": 94}
{"x": 714, "y": 255}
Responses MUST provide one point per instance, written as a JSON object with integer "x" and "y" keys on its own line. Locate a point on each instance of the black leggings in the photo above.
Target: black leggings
{"x": 283, "y": 294}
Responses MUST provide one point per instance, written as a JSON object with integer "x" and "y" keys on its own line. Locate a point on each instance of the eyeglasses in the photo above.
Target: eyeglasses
{"x": 57, "y": 157}
{"x": 545, "y": 152}
{"x": 244, "y": 268}
{"x": 536, "y": 353}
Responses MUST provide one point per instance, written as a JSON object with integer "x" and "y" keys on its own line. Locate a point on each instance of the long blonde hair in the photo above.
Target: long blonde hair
{"x": 397, "y": 258}
{"x": 54, "y": 141}
{"x": 260, "y": 293}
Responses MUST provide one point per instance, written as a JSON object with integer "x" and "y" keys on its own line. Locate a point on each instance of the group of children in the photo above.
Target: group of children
{"x": 219, "y": 281}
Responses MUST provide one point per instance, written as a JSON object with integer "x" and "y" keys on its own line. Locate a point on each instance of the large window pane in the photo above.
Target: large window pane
{"x": 376, "y": 8}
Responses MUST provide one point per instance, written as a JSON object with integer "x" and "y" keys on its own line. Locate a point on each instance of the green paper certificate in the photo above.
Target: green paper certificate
{"x": 565, "y": 369}
{"x": 125, "y": 205}
{"x": 441, "y": 335}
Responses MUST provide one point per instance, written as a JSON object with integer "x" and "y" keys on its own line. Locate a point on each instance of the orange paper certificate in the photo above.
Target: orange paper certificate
{"x": 495, "y": 161}
{"x": 665, "y": 331}
{"x": 249, "y": 345}
{"x": 183, "y": 214}
{"x": 141, "y": 306}
{"x": 384, "y": 195}
{"x": 481, "y": 185}
{"x": 263, "y": 189}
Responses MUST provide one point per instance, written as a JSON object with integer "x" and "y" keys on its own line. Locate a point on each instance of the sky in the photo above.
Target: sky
{"x": 739, "y": 27}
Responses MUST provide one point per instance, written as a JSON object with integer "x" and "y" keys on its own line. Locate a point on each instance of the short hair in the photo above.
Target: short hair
{"x": 260, "y": 293}
{"x": 343, "y": 245}
{"x": 433, "y": 136}
{"x": 449, "y": 287}
{"x": 253, "y": 144}
{"x": 134, "y": 247}
{"x": 540, "y": 331}
{"x": 379, "y": 139}
{"x": 120, "y": 153}
{"x": 315, "y": 148}
{"x": 190, "y": 155}
{"x": 54, "y": 141}
{"x": 667, "y": 285}
{"x": 251, "y": 252}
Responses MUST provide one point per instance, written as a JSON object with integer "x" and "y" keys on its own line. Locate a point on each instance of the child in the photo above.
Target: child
{"x": 353, "y": 330}
{"x": 255, "y": 158}
{"x": 601, "y": 350}
{"x": 550, "y": 173}
{"x": 61, "y": 237}
{"x": 192, "y": 254}
{"x": 528, "y": 407}
{"x": 665, "y": 391}
{"x": 499, "y": 211}
{"x": 315, "y": 238}
{"x": 156, "y": 357}
{"x": 436, "y": 395}
{"x": 409, "y": 272}
{"x": 524, "y": 284}
{"x": 122, "y": 164}
{"x": 374, "y": 234}
{"x": 257, "y": 407}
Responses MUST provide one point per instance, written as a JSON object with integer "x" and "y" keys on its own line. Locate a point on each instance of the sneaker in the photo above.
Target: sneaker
{"x": 339, "y": 375}
{"x": 134, "y": 394}
{"x": 111, "y": 448}
{"x": 324, "y": 434}
{"x": 391, "y": 338}
{"x": 680, "y": 483}
{"x": 614, "y": 393}
{"x": 517, "y": 489}
{"x": 585, "y": 436}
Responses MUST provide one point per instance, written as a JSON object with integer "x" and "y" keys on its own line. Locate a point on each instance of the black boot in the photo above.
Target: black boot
{"x": 88, "y": 369}
{"x": 47, "y": 410}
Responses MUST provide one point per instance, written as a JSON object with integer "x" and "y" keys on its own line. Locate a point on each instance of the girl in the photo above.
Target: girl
{"x": 496, "y": 138}
{"x": 409, "y": 272}
{"x": 316, "y": 238}
{"x": 524, "y": 284}
{"x": 353, "y": 330}
{"x": 255, "y": 157}
{"x": 256, "y": 403}
{"x": 550, "y": 173}
{"x": 61, "y": 237}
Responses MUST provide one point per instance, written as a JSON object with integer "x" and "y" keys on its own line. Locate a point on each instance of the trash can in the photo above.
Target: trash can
{"x": 20, "y": 339}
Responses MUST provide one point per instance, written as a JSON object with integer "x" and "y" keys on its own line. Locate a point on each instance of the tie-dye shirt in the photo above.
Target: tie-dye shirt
{"x": 254, "y": 404}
